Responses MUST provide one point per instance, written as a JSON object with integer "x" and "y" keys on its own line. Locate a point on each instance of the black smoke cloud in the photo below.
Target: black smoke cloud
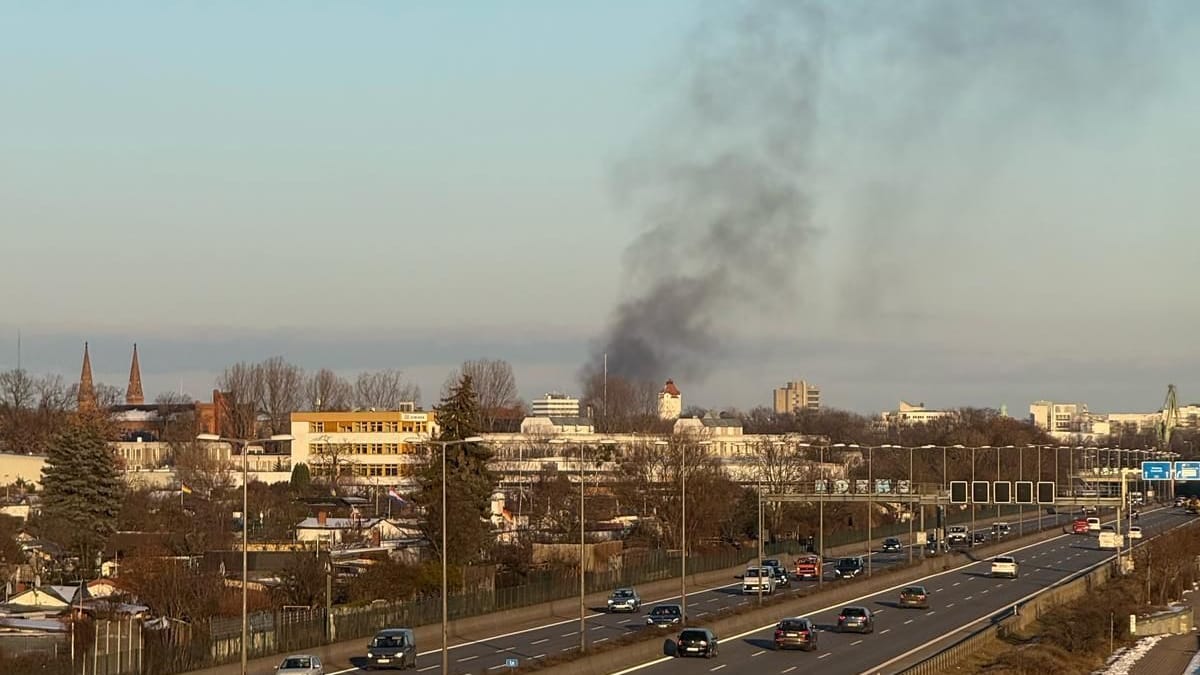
{"x": 727, "y": 185}
{"x": 722, "y": 189}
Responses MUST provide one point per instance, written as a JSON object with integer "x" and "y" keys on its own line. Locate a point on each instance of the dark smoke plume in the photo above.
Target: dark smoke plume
{"x": 727, "y": 186}
{"x": 726, "y": 208}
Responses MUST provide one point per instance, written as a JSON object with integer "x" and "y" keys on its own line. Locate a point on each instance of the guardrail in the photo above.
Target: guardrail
{"x": 1015, "y": 618}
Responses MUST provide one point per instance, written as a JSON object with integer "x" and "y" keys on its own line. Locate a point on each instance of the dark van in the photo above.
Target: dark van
{"x": 392, "y": 648}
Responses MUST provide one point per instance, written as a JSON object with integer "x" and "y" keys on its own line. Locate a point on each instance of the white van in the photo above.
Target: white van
{"x": 1093, "y": 524}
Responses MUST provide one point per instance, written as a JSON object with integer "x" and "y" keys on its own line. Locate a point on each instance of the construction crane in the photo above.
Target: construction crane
{"x": 1170, "y": 419}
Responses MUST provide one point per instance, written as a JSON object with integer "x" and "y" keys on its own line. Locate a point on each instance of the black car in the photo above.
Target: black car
{"x": 848, "y": 568}
{"x": 696, "y": 642}
{"x": 796, "y": 633}
{"x": 665, "y": 616}
{"x": 781, "y": 576}
{"x": 892, "y": 544}
{"x": 854, "y": 618}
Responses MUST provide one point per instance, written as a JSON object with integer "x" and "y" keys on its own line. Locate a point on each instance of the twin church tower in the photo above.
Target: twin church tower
{"x": 87, "y": 387}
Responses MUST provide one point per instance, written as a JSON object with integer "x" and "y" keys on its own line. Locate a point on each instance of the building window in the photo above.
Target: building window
{"x": 316, "y": 427}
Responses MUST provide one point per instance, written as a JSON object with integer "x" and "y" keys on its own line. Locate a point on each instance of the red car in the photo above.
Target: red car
{"x": 1080, "y": 526}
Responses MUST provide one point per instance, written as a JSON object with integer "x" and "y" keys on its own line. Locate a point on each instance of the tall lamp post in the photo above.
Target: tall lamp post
{"x": 245, "y": 445}
{"x": 582, "y": 540}
{"x": 445, "y": 445}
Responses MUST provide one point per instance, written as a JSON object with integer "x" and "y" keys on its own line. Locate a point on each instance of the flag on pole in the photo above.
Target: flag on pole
{"x": 396, "y": 495}
{"x": 183, "y": 487}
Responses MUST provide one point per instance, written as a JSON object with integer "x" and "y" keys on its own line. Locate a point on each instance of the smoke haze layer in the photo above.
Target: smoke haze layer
{"x": 774, "y": 95}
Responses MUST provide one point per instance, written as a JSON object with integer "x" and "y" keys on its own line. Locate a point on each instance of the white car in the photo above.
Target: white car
{"x": 1004, "y": 566}
{"x": 1135, "y": 532}
{"x": 300, "y": 664}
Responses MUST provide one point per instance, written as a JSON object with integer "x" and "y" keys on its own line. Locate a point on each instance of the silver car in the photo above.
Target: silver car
{"x": 624, "y": 600}
{"x": 300, "y": 664}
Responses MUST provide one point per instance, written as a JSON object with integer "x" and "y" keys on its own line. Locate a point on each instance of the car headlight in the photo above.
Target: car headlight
{"x": 370, "y": 655}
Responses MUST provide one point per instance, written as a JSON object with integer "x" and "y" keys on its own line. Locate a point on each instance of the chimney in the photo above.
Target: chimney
{"x": 322, "y": 517}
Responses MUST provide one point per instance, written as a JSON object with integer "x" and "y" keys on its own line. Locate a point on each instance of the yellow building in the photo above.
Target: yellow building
{"x": 374, "y": 446}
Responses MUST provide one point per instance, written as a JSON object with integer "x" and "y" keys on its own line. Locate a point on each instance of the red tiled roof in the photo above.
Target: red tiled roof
{"x": 670, "y": 388}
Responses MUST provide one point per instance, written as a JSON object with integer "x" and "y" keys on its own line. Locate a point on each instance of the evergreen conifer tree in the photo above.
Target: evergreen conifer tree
{"x": 469, "y": 482}
{"x": 82, "y": 492}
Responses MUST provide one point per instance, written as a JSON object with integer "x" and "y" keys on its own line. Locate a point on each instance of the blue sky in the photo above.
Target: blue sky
{"x": 369, "y": 185}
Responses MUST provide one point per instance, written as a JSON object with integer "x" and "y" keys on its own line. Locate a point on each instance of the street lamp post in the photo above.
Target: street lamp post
{"x": 444, "y": 553}
{"x": 582, "y": 541}
{"x": 245, "y": 445}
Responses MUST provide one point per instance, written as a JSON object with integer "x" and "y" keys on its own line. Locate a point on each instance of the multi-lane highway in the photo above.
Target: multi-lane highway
{"x": 492, "y": 652}
{"x": 959, "y": 600}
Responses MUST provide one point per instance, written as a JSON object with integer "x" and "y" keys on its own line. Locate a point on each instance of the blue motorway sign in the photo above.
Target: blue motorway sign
{"x": 1156, "y": 471}
{"x": 1187, "y": 470}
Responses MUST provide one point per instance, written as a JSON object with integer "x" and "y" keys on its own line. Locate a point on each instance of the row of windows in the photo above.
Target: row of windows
{"x": 364, "y": 448}
{"x": 369, "y": 427}
{"x": 369, "y": 470}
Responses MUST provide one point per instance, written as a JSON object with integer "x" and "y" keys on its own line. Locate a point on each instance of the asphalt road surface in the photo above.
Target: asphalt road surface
{"x": 491, "y": 652}
{"x": 959, "y": 600}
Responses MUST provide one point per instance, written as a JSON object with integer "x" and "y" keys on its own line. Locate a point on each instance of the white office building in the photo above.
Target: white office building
{"x": 555, "y": 405}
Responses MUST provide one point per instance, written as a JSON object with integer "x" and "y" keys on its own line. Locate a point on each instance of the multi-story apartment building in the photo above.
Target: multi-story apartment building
{"x": 378, "y": 446}
{"x": 798, "y": 395}
{"x": 555, "y": 405}
{"x": 1060, "y": 418}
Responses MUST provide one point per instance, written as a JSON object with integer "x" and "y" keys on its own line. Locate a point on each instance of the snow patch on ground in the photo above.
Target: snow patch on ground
{"x": 1123, "y": 659}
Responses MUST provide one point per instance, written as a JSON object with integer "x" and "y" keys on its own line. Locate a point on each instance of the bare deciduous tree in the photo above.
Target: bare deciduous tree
{"x": 649, "y": 481}
{"x": 623, "y": 405}
{"x": 203, "y": 467}
{"x": 282, "y": 392}
{"x": 384, "y": 390}
{"x": 18, "y": 390}
{"x": 326, "y": 390}
{"x": 331, "y": 462}
{"x": 495, "y": 385}
{"x": 242, "y": 386}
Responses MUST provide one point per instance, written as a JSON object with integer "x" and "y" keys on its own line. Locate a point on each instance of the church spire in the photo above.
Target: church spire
{"x": 87, "y": 390}
{"x": 133, "y": 393}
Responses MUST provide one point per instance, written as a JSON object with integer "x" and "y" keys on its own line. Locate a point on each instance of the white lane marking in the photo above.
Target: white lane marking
{"x": 538, "y": 642}
{"x": 428, "y": 668}
{"x": 956, "y": 583}
{"x": 949, "y": 605}
{"x": 908, "y": 622}
{"x": 713, "y": 670}
{"x": 574, "y": 632}
{"x": 758, "y": 653}
{"x": 599, "y": 641}
{"x": 932, "y": 611}
{"x": 569, "y": 648}
{"x": 593, "y": 615}
{"x": 823, "y": 655}
{"x": 498, "y": 666}
{"x": 938, "y": 590}
{"x": 539, "y": 656}
{"x": 984, "y": 591}
{"x": 856, "y": 642}
{"x": 788, "y": 670}
{"x": 1075, "y": 575}
{"x": 468, "y": 658}
{"x": 885, "y": 630}
{"x": 960, "y": 568}
{"x": 968, "y": 597}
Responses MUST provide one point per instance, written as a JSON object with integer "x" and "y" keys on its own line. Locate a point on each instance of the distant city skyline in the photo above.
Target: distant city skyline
{"x": 195, "y": 367}
{"x": 977, "y": 213}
